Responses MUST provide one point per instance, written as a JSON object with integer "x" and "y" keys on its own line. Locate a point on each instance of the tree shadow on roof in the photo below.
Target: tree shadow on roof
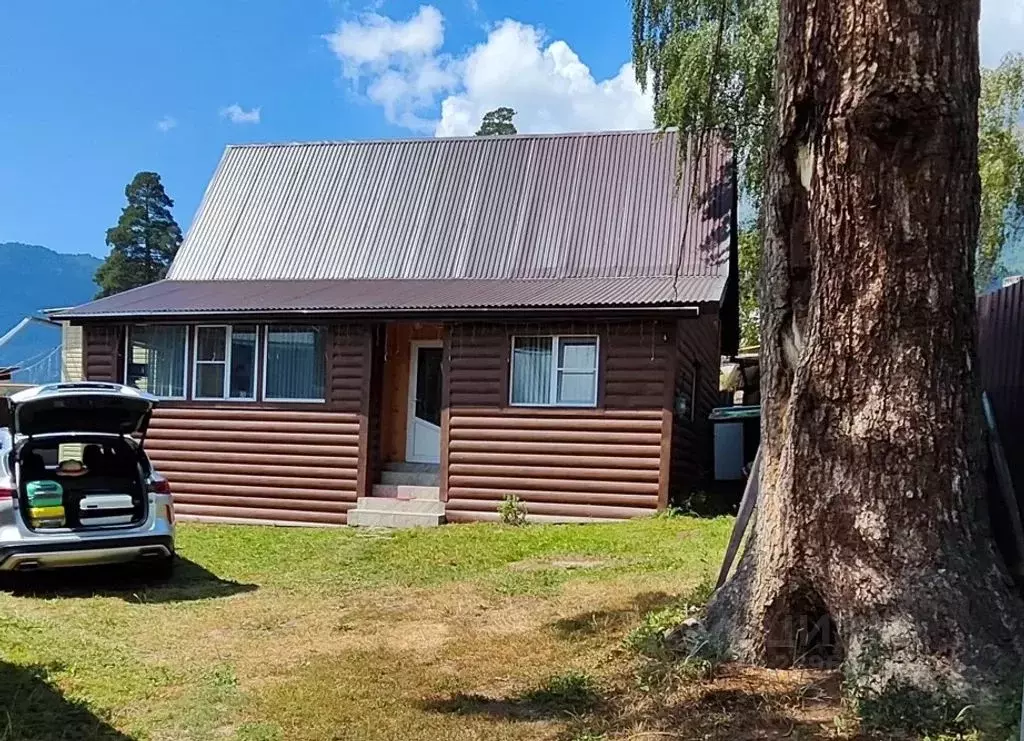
{"x": 32, "y": 709}
{"x": 130, "y": 582}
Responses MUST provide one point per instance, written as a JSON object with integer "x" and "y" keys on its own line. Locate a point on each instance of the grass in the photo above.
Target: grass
{"x": 550, "y": 633}
{"x": 265, "y": 634}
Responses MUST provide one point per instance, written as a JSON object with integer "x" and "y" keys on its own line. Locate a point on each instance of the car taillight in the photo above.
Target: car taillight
{"x": 8, "y": 493}
{"x": 160, "y": 486}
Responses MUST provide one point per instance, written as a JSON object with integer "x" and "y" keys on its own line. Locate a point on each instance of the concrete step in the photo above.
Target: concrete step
{"x": 378, "y": 518}
{"x": 402, "y": 506}
{"x": 400, "y": 491}
{"x": 405, "y": 467}
{"x": 410, "y": 478}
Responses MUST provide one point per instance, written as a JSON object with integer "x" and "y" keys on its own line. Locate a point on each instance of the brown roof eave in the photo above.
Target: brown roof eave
{"x": 471, "y": 314}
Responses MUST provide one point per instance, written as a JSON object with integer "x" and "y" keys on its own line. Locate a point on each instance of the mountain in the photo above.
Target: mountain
{"x": 36, "y": 278}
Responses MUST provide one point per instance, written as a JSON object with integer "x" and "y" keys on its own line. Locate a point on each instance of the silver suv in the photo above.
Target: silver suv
{"x": 85, "y": 442}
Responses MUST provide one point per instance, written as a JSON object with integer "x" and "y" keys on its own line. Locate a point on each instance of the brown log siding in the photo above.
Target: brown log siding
{"x": 101, "y": 349}
{"x": 279, "y": 462}
{"x": 563, "y": 463}
{"x": 307, "y": 463}
{"x": 697, "y": 347}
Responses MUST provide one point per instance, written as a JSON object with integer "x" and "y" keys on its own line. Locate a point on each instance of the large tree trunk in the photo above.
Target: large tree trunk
{"x": 871, "y": 520}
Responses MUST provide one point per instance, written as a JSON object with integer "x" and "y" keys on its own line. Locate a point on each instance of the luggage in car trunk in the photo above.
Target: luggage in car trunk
{"x": 96, "y": 510}
{"x": 45, "y": 504}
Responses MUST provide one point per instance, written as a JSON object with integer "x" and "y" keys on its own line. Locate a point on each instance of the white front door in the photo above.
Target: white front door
{"x": 423, "y": 436}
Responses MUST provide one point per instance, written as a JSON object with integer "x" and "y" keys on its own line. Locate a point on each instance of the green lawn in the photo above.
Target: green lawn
{"x": 458, "y": 632}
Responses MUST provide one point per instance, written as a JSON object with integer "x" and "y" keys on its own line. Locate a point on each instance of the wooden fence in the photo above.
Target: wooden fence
{"x": 1001, "y": 355}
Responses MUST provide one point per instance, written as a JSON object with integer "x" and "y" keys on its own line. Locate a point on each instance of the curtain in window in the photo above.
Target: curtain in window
{"x": 157, "y": 362}
{"x": 531, "y": 370}
{"x": 295, "y": 363}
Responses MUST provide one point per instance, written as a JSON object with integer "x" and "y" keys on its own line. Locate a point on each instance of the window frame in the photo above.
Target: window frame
{"x": 226, "y": 364}
{"x": 128, "y": 356}
{"x": 267, "y": 329}
{"x": 556, "y": 369}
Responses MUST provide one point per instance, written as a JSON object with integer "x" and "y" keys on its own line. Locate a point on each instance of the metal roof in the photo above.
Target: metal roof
{"x": 171, "y": 297}
{"x": 555, "y": 212}
{"x": 557, "y": 206}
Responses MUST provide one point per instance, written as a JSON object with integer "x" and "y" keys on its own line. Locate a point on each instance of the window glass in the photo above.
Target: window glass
{"x": 243, "y": 362}
{"x": 294, "y": 368}
{"x": 225, "y": 357}
{"x": 209, "y": 381}
{"x": 531, "y": 370}
{"x": 210, "y": 343}
{"x": 155, "y": 360}
{"x": 429, "y": 384}
{"x": 537, "y": 380}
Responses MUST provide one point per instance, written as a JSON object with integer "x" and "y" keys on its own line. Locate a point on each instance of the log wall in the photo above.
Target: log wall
{"x": 698, "y": 364}
{"x": 262, "y": 462}
{"x": 565, "y": 464}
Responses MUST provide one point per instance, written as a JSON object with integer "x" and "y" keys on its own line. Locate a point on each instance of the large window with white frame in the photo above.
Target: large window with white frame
{"x": 554, "y": 370}
{"x": 225, "y": 362}
{"x": 294, "y": 363}
{"x": 155, "y": 359}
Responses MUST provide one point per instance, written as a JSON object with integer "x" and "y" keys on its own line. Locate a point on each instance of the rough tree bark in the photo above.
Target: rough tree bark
{"x": 872, "y": 515}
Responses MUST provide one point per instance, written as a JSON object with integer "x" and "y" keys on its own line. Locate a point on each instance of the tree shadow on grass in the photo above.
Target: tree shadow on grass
{"x": 567, "y": 695}
{"x": 599, "y": 622}
{"x": 130, "y": 582}
{"x": 31, "y": 709}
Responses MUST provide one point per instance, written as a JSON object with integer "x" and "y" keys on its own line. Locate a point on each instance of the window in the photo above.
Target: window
{"x": 155, "y": 359}
{"x": 554, "y": 371}
{"x": 294, "y": 364}
{"x": 225, "y": 363}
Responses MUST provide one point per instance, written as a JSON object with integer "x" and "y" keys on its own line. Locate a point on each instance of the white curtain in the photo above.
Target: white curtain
{"x": 531, "y": 370}
{"x": 295, "y": 363}
{"x": 157, "y": 362}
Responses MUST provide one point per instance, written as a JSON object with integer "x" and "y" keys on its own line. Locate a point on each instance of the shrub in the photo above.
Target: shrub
{"x": 512, "y": 510}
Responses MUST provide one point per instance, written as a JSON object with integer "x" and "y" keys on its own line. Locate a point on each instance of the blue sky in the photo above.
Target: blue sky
{"x": 92, "y": 92}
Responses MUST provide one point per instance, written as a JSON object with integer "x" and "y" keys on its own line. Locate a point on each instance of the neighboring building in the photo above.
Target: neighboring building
{"x": 532, "y": 315}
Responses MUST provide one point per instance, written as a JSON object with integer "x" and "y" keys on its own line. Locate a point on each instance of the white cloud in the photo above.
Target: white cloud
{"x": 399, "y": 66}
{"x": 375, "y": 39}
{"x": 236, "y": 114}
{"x": 166, "y": 123}
{"x": 1002, "y": 29}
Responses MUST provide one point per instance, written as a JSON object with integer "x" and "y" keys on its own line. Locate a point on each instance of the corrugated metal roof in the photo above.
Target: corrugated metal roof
{"x": 172, "y": 297}
{"x": 507, "y": 207}
{"x": 563, "y": 220}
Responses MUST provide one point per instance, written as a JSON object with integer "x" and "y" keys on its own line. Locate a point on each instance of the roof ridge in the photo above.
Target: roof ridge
{"x": 437, "y": 139}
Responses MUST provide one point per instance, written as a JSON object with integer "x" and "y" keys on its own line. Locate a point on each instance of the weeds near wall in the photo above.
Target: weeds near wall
{"x": 512, "y": 511}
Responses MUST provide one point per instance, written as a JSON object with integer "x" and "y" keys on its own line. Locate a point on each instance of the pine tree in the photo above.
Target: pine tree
{"x": 144, "y": 241}
{"x": 497, "y": 123}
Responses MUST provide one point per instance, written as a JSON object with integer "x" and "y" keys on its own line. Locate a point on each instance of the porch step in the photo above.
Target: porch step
{"x": 410, "y": 478}
{"x": 401, "y": 491}
{"x": 400, "y": 506}
{"x": 359, "y": 517}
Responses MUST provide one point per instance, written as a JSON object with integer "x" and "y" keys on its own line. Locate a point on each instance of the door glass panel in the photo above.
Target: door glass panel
{"x": 428, "y": 384}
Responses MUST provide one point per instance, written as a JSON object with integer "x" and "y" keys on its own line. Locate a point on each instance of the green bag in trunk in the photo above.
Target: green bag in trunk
{"x": 44, "y": 494}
